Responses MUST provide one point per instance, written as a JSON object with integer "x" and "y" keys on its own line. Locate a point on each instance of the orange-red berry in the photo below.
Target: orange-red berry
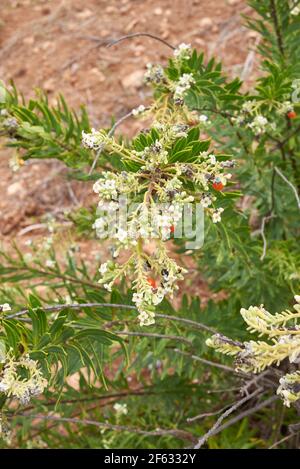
{"x": 151, "y": 282}
{"x": 172, "y": 228}
{"x": 292, "y": 115}
{"x": 218, "y": 186}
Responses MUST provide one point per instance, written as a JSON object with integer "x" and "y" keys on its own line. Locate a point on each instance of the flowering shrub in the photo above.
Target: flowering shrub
{"x": 207, "y": 143}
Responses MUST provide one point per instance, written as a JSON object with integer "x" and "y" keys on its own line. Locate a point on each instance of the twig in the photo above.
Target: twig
{"x": 58, "y": 307}
{"x": 155, "y": 336}
{"x": 207, "y": 414}
{"x": 181, "y": 434}
{"x": 290, "y": 184}
{"x": 71, "y": 306}
{"x": 215, "y": 427}
{"x": 130, "y": 36}
{"x": 262, "y": 232}
{"x": 197, "y": 325}
{"x": 110, "y": 134}
{"x": 208, "y": 362}
{"x": 246, "y": 413}
{"x": 277, "y": 27}
{"x": 27, "y": 229}
{"x": 282, "y": 440}
{"x": 248, "y": 65}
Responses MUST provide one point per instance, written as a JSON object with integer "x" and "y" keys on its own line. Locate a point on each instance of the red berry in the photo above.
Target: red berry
{"x": 218, "y": 186}
{"x": 151, "y": 282}
{"x": 172, "y": 228}
{"x": 292, "y": 115}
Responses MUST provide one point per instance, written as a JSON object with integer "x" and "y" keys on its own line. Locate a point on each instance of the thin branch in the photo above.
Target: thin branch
{"x": 110, "y": 134}
{"x": 133, "y": 35}
{"x": 208, "y": 362}
{"x": 277, "y": 27}
{"x": 155, "y": 336}
{"x": 247, "y": 413}
{"x": 215, "y": 427}
{"x": 262, "y": 232}
{"x": 58, "y": 307}
{"x": 207, "y": 414}
{"x": 282, "y": 440}
{"x": 268, "y": 216}
{"x": 71, "y": 306}
{"x": 197, "y": 325}
{"x": 180, "y": 434}
{"x": 290, "y": 184}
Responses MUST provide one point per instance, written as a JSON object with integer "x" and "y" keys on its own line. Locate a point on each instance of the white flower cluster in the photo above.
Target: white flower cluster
{"x": 203, "y": 120}
{"x": 111, "y": 185}
{"x": 150, "y": 295}
{"x": 216, "y": 214}
{"x": 289, "y": 388}
{"x": 259, "y": 124}
{"x": 5, "y": 307}
{"x": 94, "y": 139}
{"x": 171, "y": 132}
{"x": 182, "y": 85}
{"x": 295, "y": 9}
{"x": 154, "y": 156}
{"x": 154, "y": 74}
{"x": 183, "y": 51}
{"x": 285, "y": 107}
{"x": 13, "y": 384}
{"x": 139, "y": 110}
{"x": 135, "y": 207}
{"x": 120, "y": 409}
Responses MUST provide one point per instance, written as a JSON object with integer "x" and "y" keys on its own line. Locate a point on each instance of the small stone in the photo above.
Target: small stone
{"x": 15, "y": 188}
{"x": 206, "y": 22}
{"x": 49, "y": 85}
{"x": 133, "y": 80}
{"x": 158, "y": 11}
{"x": 84, "y": 14}
{"x": 28, "y": 41}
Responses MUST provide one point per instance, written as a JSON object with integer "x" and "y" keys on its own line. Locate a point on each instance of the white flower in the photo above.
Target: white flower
{"x": 5, "y": 307}
{"x": 121, "y": 409}
{"x": 216, "y": 215}
{"x": 259, "y": 124}
{"x": 248, "y": 106}
{"x": 103, "y": 268}
{"x": 50, "y": 263}
{"x": 93, "y": 140}
{"x": 203, "y": 118}
{"x": 154, "y": 74}
{"x": 213, "y": 159}
{"x": 285, "y": 107}
{"x": 295, "y": 11}
{"x": 121, "y": 235}
{"x": 205, "y": 201}
{"x": 183, "y": 51}
{"x": 146, "y": 318}
{"x": 108, "y": 286}
{"x": 183, "y": 84}
{"x": 297, "y": 298}
{"x": 139, "y": 110}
